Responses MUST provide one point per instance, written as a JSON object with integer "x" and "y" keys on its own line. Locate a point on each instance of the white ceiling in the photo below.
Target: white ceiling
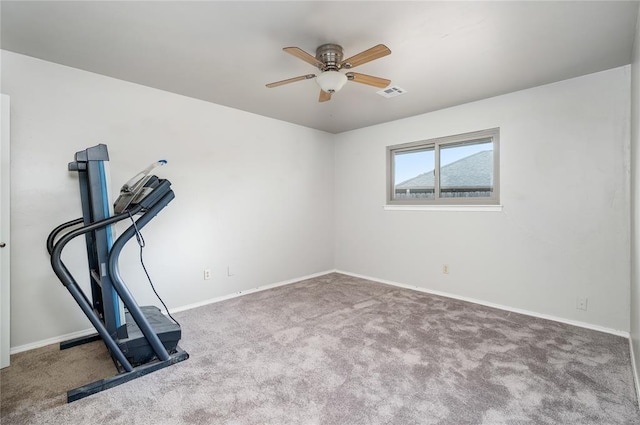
{"x": 443, "y": 53}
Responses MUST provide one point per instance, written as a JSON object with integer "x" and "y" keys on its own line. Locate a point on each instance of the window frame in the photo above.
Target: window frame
{"x": 492, "y": 134}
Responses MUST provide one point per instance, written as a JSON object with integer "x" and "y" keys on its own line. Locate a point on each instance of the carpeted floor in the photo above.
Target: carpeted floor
{"x": 341, "y": 350}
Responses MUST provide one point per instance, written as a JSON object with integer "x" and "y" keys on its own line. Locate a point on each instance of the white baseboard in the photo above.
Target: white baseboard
{"x": 90, "y": 331}
{"x": 248, "y": 291}
{"x": 585, "y": 325}
{"x": 54, "y": 340}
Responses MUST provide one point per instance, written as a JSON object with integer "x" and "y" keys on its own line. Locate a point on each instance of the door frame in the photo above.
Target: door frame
{"x": 5, "y": 228}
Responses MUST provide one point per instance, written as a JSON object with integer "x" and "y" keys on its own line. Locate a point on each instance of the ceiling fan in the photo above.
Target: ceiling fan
{"x": 328, "y": 60}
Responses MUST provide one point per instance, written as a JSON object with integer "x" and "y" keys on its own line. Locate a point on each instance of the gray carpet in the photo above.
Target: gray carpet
{"x": 341, "y": 350}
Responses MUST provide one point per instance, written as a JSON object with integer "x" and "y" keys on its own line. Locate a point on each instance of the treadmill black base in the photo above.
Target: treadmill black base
{"x": 136, "y": 349}
{"x": 121, "y": 378}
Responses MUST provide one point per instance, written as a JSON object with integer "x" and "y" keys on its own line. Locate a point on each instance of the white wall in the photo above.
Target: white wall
{"x": 635, "y": 206}
{"x": 564, "y": 229}
{"x": 252, "y": 193}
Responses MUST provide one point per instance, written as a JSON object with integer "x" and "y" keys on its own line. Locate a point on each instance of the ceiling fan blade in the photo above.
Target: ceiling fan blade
{"x": 368, "y": 79}
{"x": 373, "y": 53}
{"x": 324, "y": 96}
{"x": 291, "y": 80}
{"x": 301, "y": 54}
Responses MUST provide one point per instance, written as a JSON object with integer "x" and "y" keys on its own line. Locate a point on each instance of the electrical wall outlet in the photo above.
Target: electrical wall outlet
{"x": 445, "y": 268}
{"x": 581, "y": 303}
{"x": 207, "y": 274}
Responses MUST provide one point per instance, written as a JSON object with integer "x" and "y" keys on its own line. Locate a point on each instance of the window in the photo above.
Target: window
{"x": 454, "y": 170}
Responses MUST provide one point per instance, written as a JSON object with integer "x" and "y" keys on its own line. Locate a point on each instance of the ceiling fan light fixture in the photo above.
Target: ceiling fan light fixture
{"x": 331, "y": 81}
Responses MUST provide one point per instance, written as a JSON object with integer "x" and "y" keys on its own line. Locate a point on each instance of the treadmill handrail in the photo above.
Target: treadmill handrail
{"x": 56, "y": 252}
{"x": 54, "y": 233}
{"x": 72, "y": 286}
{"x": 119, "y": 285}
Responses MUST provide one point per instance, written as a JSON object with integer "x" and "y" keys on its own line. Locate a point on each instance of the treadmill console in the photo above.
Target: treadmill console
{"x": 138, "y": 188}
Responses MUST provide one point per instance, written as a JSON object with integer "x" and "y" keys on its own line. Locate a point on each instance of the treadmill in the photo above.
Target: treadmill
{"x": 140, "y": 339}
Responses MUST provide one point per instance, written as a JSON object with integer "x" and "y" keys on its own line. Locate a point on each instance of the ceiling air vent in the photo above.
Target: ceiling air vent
{"x": 391, "y": 91}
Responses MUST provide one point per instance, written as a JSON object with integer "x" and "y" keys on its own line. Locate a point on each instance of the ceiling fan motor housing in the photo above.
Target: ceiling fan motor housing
{"x": 330, "y": 55}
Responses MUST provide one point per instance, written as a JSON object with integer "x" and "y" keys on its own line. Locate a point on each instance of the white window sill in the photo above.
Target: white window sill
{"x": 442, "y": 207}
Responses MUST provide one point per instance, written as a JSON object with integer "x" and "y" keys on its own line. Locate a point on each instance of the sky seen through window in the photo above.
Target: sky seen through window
{"x": 413, "y": 163}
